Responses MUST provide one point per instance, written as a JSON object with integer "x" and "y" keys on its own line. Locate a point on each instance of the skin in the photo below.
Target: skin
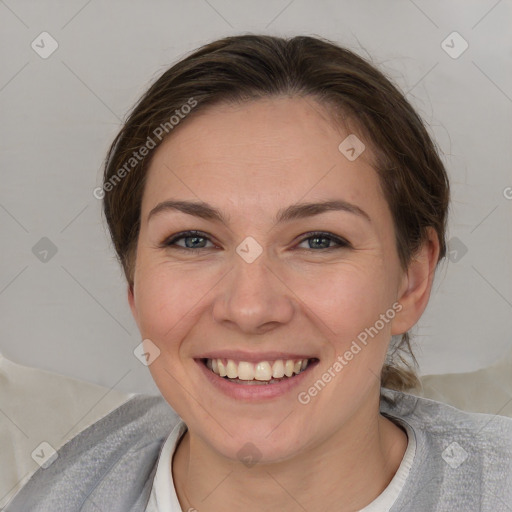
{"x": 337, "y": 453}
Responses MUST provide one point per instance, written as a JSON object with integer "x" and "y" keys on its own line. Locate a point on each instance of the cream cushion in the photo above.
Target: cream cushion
{"x": 38, "y": 406}
{"x": 488, "y": 390}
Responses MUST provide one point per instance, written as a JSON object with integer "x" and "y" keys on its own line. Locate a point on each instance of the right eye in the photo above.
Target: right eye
{"x": 193, "y": 241}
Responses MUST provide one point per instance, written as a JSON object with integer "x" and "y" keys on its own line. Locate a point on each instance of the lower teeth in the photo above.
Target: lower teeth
{"x": 256, "y": 382}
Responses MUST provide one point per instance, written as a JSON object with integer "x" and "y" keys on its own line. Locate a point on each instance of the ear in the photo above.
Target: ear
{"x": 131, "y": 301}
{"x": 416, "y": 285}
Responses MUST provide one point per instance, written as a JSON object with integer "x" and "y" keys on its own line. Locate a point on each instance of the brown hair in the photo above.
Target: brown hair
{"x": 239, "y": 68}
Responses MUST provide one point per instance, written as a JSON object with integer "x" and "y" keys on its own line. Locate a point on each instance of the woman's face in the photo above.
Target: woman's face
{"x": 259, "y": 287}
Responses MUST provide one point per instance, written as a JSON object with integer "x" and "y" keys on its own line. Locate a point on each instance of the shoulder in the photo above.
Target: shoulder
{"x": 439, "y": 419}
{"x": 112, "y": 462}
{"x": 463, "y": 459}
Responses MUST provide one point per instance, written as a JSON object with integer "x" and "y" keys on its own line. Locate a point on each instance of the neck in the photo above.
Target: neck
{"x": 345, "y": 472}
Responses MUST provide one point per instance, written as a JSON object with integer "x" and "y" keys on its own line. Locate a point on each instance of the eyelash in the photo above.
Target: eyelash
{"x": 170, "y": 242}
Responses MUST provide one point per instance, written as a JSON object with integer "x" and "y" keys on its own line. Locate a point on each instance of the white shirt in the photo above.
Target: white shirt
{"x": 163, "y": 496}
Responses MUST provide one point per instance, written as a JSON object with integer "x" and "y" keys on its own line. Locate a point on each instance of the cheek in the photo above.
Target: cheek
{"x": 347, "y": 299}
{"x": 349, "y": 293}
{"x": 166, "y": 300}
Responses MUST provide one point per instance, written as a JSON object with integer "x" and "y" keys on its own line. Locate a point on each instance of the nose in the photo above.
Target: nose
{"x": 253, "y": 298}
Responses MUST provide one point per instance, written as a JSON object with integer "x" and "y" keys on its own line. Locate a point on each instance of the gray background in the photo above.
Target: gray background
{"x": 69, "y": 314}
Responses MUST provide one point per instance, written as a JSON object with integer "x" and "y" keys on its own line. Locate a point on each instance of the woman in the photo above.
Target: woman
{"x": 279, "y": 211}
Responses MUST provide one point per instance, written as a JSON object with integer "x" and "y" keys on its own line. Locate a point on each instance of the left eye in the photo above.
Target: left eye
{"x": 195, "y": 240}
{"x": 323, "y": 241}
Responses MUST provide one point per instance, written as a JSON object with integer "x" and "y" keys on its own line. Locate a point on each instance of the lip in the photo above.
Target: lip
{"x": 254, "y": 393}
{"x": 253, "y": 357}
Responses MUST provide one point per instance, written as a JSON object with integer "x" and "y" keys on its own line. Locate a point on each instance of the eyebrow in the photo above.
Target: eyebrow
{"x": 292, "y": 212}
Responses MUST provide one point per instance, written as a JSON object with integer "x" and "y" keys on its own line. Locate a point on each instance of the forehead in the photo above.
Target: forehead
{"x": 270, "y": 127}
{"x": 258, "y": 153}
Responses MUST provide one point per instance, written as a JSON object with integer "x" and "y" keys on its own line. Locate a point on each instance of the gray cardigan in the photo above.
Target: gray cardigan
{"x": 463, "y": 461}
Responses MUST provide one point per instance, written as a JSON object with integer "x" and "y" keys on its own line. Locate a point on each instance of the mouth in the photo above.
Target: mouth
{"x": 258, "y": 373}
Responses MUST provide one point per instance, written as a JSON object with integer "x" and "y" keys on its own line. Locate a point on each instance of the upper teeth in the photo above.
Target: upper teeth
{"x": 263, "y": 370}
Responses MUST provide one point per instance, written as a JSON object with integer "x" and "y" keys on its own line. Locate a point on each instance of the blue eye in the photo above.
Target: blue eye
{"x": 317, "y": 240}
{"x": 196, "y": 240}
{"x": 193, "y": 240}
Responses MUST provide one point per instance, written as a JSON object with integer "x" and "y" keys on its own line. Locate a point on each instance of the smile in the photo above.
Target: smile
{"x": 261, "y": 372}
{"x": 258, "y": 380}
